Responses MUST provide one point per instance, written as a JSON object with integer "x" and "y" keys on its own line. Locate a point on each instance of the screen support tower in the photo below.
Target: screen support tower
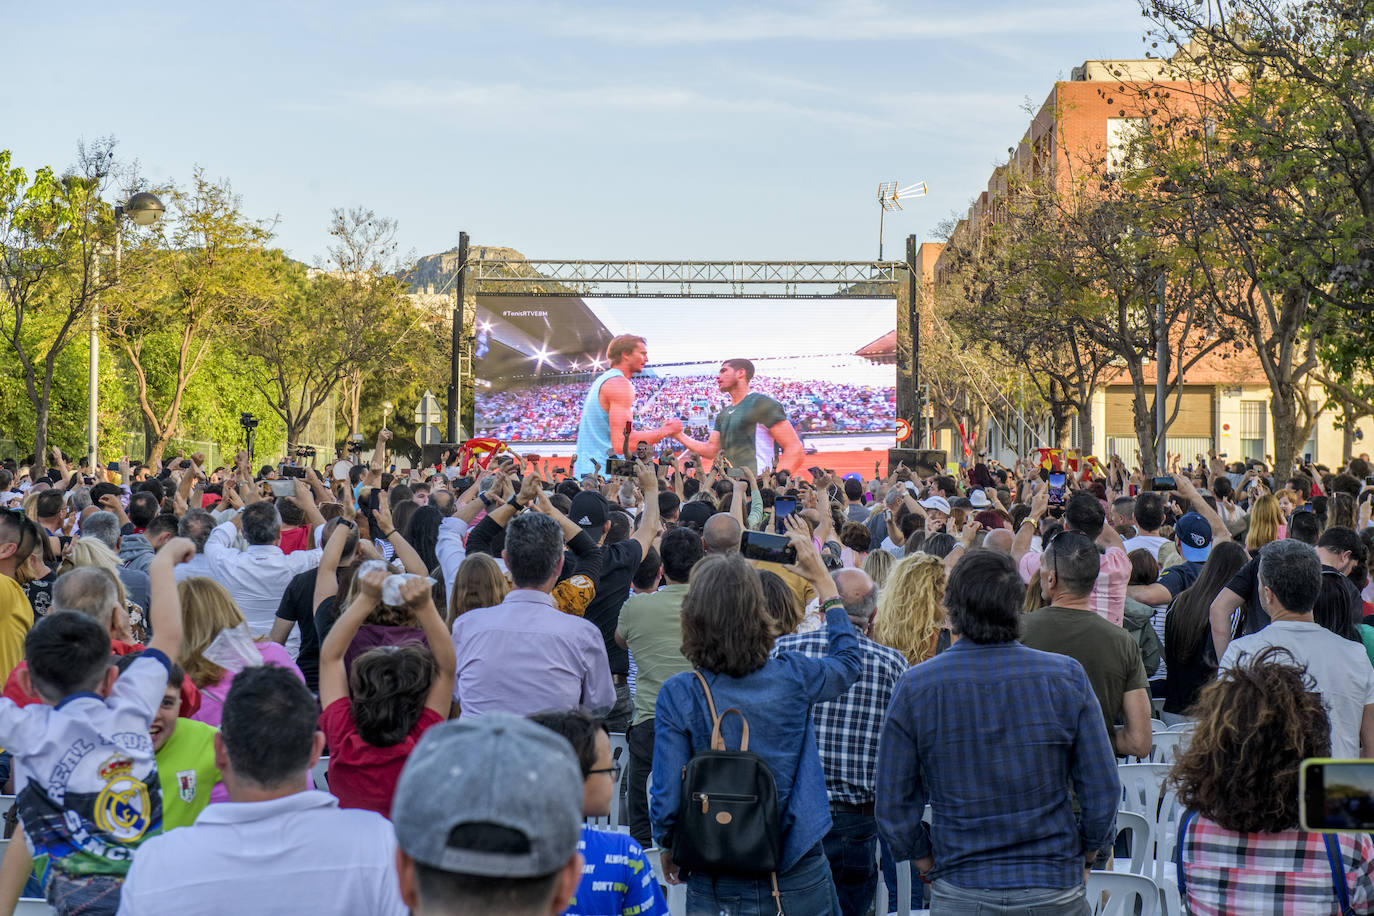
{"x": 504, "y": 276}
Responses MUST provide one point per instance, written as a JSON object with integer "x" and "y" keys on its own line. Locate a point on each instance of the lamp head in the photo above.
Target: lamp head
{"x": 144, "y": 208}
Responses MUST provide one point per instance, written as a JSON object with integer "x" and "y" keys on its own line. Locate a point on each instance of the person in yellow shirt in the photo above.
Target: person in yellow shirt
{"x": 18, "y": 538}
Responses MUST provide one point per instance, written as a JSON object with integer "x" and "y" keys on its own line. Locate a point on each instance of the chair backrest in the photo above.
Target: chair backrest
{"x": 620, "y": 754}
{"x": 901, "y": 905}
{"x": 1142, "y": 840}
{"x": 1141, "y": 787}
{"x": 1127, "y": 895}
{"x": 320, "y": 773}
{"x": 1167, "y": 745}
{"x": 1185, "y": 726}
{"x": 676, "y": 893}
{"x": 33, "y": 906}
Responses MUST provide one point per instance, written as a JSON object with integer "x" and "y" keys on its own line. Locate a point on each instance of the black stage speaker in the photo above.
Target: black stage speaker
{"x": 926, "y": 462}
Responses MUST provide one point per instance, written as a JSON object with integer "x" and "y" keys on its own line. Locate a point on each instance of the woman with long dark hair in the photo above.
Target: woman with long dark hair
{"x": 1190, "y": 659}
{"x": 727, "y": 635}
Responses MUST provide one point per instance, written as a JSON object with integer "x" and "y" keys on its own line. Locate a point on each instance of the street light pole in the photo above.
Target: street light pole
{"x": 145, "y": 209}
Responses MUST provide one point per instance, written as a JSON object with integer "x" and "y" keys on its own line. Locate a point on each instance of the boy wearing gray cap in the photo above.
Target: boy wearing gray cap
{"x": 488, "y": 812}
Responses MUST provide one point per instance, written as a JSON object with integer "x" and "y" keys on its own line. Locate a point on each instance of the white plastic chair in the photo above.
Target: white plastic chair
{"x": 620, "y": 754}
{"x": 1185, "y": 725}
{"x": 1141, "y": 787}
{"x": 1167, "y": 745}
{"x": 1142, "y": 843}
{"x": 320, "y": 774}
{"x": 902, "y": 904}
{"x": 1122, "y": 892}
{"x": 676, "y": 894}
{"x": 33, "y": 906}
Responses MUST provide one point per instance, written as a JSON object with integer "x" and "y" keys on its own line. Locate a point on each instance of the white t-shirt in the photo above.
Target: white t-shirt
{"x": 1150, "y": 542}
{"x": 1340, "y": 668}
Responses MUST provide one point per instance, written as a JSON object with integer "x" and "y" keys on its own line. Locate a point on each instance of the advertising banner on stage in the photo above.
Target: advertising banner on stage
{"x": 759, "y": 382}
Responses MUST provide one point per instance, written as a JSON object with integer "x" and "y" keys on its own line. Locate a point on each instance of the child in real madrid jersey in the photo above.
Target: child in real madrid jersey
{"x": 84, "y": 767}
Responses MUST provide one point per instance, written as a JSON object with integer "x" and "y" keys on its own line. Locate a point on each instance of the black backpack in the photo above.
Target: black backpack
{"x": 727, "y": 822}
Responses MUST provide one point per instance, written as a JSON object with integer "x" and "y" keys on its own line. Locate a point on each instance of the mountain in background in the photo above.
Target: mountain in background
{"x": 434, "y": 273}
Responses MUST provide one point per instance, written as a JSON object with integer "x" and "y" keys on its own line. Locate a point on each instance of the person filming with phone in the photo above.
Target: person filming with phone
{"x": 727, "y": 634}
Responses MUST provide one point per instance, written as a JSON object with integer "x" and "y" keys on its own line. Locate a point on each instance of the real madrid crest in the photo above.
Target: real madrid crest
{"x": 122, "y": 808}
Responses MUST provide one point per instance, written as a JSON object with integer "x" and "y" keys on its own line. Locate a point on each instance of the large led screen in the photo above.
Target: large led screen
{"x": 759, "y": 381}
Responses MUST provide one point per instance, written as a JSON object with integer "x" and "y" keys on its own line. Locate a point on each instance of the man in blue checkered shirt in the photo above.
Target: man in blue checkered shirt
{"x": 847, "y": 730}
{"x": 994, "y": 735}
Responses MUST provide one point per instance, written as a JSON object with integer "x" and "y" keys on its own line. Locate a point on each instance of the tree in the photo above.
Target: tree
{"x": 198, "y": 281}
{"x": 349, "y": 322}
{"x": 52, "y": 230}
{"x": 1279, "y": 176}
{"x": 1012, "y": 287}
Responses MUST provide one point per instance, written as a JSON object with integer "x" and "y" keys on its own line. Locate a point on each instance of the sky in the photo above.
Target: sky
{"x": 650, "y": 130}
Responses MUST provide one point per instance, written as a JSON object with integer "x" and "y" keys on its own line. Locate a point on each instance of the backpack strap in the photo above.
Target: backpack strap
{"x": 1183, "y": 823}
{"x": 718, "y": 741}
{"x": 710, "y": 700}
{"x": 1337, "y": 863}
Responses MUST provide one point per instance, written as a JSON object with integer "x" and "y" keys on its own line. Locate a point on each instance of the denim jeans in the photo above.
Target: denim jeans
{"x": 850, "y": 847}
{"x": 951, "y": 900}
{"x": 618, "y": 719}
{"x": 807, "y": 890}
{"x": 641, "y": 740}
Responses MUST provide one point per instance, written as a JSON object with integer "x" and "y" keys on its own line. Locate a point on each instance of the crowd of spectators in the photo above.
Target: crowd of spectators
{"x": 225, "y": 693}
{"x": 550, "y": 412}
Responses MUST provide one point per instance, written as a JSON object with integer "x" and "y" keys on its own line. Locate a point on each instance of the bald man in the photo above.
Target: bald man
{"x": 999, "y": 539}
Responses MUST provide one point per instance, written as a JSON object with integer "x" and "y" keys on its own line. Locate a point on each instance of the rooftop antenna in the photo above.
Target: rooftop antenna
{"x": 890, "y": 197}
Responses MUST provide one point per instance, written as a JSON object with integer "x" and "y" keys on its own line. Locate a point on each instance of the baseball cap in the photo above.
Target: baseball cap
{"x": 1194, "y": 536}
{"x": 589, "y": 511}
{"x": 938, "y": 503}
{"x": 497, "y": 769}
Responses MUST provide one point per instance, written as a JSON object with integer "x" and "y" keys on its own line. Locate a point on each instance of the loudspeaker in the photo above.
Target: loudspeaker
{"x": 430, "y": 455}
{"x": 926, "y": 462}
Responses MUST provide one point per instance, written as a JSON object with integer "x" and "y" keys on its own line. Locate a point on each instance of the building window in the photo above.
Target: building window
{"x": 1124, "y": 137}
{"x": 1253, "y": 416}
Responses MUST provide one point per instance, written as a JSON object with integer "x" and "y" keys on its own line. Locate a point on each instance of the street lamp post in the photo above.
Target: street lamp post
{"x": 144, "y": 209}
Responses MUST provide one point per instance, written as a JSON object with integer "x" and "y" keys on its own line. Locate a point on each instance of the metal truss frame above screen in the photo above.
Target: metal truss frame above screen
{"x": 685, "y": 279}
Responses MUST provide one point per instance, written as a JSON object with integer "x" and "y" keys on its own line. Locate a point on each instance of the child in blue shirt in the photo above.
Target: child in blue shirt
{"x": 617, "y": 879}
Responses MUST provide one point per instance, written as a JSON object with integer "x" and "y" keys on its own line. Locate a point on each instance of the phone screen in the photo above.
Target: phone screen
{"x": 1057, "y": 481}
{"x": 620, "y": 467}
{"x": 1337, "y": 795}
{"x": 1163, "y": 483}
{"x": 770, "y": 548}
{"x": 783, "y": 506}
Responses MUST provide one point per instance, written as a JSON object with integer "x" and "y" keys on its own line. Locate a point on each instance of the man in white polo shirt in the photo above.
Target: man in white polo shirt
{"x": 1290, "y": 579}
{"x": 257, "y": 577}
{"x": 274, "y": 847}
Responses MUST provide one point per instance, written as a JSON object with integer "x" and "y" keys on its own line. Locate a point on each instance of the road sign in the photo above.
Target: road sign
{"x": 427, "y": 435}
{"x": 903, "y": 430}
{"x": 427, "y": 411}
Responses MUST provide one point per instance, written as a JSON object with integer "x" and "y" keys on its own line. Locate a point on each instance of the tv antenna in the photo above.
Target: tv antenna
{"x": 890, "y": 197}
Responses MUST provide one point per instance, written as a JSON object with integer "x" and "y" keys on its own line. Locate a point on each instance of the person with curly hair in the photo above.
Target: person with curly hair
{"x": 1240, "y": 848}
{"x": 911, "y": 613}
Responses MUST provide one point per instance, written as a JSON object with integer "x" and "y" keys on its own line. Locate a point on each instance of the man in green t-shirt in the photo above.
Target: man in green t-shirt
{"x": 650, "y": 626}
{"x": 1068, "y": 571}
{"x": 185, "y": 754}
{"x": 750, "y": 431}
